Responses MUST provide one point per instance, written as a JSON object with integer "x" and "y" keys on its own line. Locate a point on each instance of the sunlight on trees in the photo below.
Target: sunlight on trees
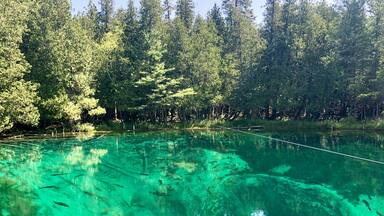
{"x": 163, "y": 62}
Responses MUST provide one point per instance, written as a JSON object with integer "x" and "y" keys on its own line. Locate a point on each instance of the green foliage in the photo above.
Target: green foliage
{"x": 84, "y": 128}
{"x": 18, "y": 103}
{"x": 184, "y": 12}
{"x": 74, "y": 72}
{"x": 150, "y": 15}
{"x": 17, "y": 96}
{"x": 105, "y": 17}
{"x": 156, "y": 88}
{"x": 205, "y": 65}
{"x": 113, "y": 76}
{"x": 167, "y": 6}
{"x": 62, "y": 55}
{"x": 308, "y": 60}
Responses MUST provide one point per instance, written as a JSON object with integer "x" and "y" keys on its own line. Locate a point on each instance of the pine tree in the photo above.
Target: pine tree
{"x": 167, "y": 9}
{"x": 131, "y": 35}
{"x": 272, "y": 58}
{"x": 205, "y": 67}
{"x": 373, "y": 93}
{"x": 46, "y": 18}
{"x": 150, "y": 15}
{"x": 353, "y": 50}
{"x": 92, "y": 18}
{"x": 154, "y": 81}
{"x": 105, "y": 17}
{"x": 314, "y": 78}
{"x": 156, "y": 89}
{"x": 121, "y": 54}
{"x": 217, "y": 17}
{"x": 185, "y": 12}
{"x": 179, "y": 49}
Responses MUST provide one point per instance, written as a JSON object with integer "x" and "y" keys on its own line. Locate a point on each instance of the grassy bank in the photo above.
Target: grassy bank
{"x": 345, "y": 124}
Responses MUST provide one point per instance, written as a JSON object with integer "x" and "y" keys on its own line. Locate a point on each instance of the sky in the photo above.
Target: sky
{"x": 202, "y": 6}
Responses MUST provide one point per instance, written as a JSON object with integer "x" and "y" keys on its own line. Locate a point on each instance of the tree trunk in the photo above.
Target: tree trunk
{"x": 116, "y": 111}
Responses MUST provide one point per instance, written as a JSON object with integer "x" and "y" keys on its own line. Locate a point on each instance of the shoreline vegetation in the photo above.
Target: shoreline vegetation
{"x": 309, "y": 65}
{"x": 258, "y": 125}
{"x": 266, "y": 125}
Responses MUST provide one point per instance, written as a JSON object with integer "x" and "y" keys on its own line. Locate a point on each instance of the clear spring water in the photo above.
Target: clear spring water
{"x": 192, "y": 173}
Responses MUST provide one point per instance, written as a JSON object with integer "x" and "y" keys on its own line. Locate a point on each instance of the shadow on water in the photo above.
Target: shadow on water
{"x": 192, "y": 173}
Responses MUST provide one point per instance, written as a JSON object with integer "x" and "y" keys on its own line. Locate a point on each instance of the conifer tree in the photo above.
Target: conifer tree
{"x": 168, "y": 8}
{"x": 105, "y": 16}
{"x": 353, "y": 50}
{"x": 185, "y": 12}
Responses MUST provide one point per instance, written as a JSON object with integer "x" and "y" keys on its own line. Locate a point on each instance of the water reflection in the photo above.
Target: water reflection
{"x": 78, "y": 157}
{"x": 191, "y": 173}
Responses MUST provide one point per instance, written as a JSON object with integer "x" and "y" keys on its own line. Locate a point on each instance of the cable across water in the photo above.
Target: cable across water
{"x": 306, "y": 146}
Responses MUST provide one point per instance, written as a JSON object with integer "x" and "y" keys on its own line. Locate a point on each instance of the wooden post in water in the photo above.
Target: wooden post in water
{"x": 62, "y": 124}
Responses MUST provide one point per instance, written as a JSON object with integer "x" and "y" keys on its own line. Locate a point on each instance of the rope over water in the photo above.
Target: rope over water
{"x": 309, "y": 147}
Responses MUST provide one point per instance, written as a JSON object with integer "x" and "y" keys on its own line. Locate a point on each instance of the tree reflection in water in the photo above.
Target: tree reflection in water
{"x": 191, "y": 173}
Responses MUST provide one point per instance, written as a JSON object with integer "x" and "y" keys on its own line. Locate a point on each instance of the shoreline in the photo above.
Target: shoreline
{"x": 372, "y": 126}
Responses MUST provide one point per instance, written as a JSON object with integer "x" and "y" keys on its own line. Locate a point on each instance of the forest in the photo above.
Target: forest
{"x": 162, "y": 62}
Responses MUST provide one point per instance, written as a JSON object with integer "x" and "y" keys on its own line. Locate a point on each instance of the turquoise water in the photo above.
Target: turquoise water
{"x": 192, "y": 173}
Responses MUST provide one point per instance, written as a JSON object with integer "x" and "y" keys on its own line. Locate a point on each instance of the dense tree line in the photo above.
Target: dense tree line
{"x": 162, "y": 62}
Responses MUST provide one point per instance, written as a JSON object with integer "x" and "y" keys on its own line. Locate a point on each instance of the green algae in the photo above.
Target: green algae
{"x": 184, "y": 173}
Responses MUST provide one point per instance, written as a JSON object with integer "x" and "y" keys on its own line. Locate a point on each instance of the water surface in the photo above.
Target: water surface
{"x": 192, "y": 173}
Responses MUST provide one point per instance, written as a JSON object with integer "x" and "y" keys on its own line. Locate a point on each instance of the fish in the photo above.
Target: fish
{"x": 118, "y": 185}
{"x": 98, "y": 189}
{"x": 78, "y": 176}
{"x": 49, "y": 187}
{"x": 60, "y": 174}
{"x": 126, "y": 203}
{"x": 107, "y": 183}
{"x": 89, "y": 193}
{"x": 158, "y": 193}
{"x": 61, "y": 204}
